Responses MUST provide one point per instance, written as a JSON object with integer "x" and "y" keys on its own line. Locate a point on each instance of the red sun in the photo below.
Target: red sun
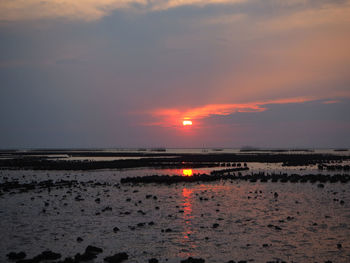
{"x": 187, "y": 123}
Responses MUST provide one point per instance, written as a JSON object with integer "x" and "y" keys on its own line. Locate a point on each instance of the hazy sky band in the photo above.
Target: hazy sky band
{"x": 125, "y": 73}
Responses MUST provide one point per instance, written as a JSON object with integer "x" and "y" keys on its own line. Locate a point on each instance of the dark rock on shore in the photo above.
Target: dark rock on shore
{"x": 193, "y": 260}
{"x": 216, "y": 225}
{"x": 284, "y": 178}
{"x": 16, "y": 256}
{"x": 119, "y": 257}
{"x": 45, "y": 255}
{"x": 84, "y": 257}
{"x": 93, "y": 250}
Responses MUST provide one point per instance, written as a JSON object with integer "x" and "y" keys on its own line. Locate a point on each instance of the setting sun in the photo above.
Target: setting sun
{"x": 187, "y": 172}
{"x": 187, "y": 122}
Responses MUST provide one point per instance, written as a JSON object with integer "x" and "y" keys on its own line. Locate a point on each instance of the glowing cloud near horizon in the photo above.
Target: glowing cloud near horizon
{"x": 168, "y": 117}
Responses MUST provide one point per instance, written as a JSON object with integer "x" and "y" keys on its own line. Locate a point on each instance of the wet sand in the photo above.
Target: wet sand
{"x": 227, "y": 219}
{"x": 300, "y": 223}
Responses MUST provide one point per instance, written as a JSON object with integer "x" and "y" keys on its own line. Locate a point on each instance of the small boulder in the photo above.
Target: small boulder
{"x": 193, "y": 260}
{"x": 117, "y": 258}
{"x": 93, "y": 250}
{"x": 16, "y": 256}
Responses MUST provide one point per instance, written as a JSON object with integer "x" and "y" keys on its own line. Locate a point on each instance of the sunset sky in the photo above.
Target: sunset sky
{"x": 127, "y": 73}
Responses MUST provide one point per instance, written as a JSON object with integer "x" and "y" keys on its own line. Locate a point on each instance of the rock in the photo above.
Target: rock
{"x": 115, "y": 229}
{"x": 16, "y": 256}
{"x": 275, "y": 194}
{"x": 93, "y": 250}
{"x": 44, "y": 256}
{"x": 49, "y": 255}
{"x": 339, "y": 246}
{"x": 215, "y": 225}
{"x": 193, "y": 260}
{"x": 68, "y": 260}
{"x": 84, "y": 257}
{"x": 153, "y": 260}
{"x": 119, "y": 257}
{"x": 79, "y": 239}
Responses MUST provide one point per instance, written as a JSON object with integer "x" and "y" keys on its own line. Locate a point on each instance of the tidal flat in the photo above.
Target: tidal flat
{"x": 66, "y": 211}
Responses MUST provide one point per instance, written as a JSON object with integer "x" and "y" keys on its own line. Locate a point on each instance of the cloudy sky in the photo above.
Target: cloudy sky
{"x": 126, "y": 73}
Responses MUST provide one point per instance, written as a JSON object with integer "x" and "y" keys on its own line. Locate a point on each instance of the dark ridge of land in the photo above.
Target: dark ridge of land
{"x": 40, "y": 160}
{"x": 334, "y": 167}
{"x": 17, "y": 187}
{"x": 276, "y": 150}
{"x": 262, "y": 177}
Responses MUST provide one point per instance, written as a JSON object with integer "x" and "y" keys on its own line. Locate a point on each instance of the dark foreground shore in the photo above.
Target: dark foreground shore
{"x": 231, "y": 214}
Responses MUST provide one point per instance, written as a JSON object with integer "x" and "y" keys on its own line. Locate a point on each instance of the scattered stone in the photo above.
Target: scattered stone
{"x": 117, "y": 258}
{"x": 84, "y": 257}
{"x": 193, "y": 260}
{"x": 93, "y": 250}
{"x": 44, "y": 256}
{"x": 16, "y": 256}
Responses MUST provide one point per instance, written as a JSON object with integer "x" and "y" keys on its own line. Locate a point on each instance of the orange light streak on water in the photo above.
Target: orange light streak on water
{"x": 187, "y": 172}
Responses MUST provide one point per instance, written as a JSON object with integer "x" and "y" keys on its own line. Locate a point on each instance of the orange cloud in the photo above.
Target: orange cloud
{"x": 89, "y": 10}
{"x": 173, "y": 117}
{"x": 331, "y": 101}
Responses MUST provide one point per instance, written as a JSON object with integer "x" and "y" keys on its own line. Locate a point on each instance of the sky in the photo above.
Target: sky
{"x": 127, "y": 73}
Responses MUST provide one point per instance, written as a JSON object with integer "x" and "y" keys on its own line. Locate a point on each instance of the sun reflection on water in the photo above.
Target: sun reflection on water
{"x": 187, "y": 172}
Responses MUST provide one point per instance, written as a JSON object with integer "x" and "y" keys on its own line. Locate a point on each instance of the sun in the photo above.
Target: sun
{"x": 187, "y": 123}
